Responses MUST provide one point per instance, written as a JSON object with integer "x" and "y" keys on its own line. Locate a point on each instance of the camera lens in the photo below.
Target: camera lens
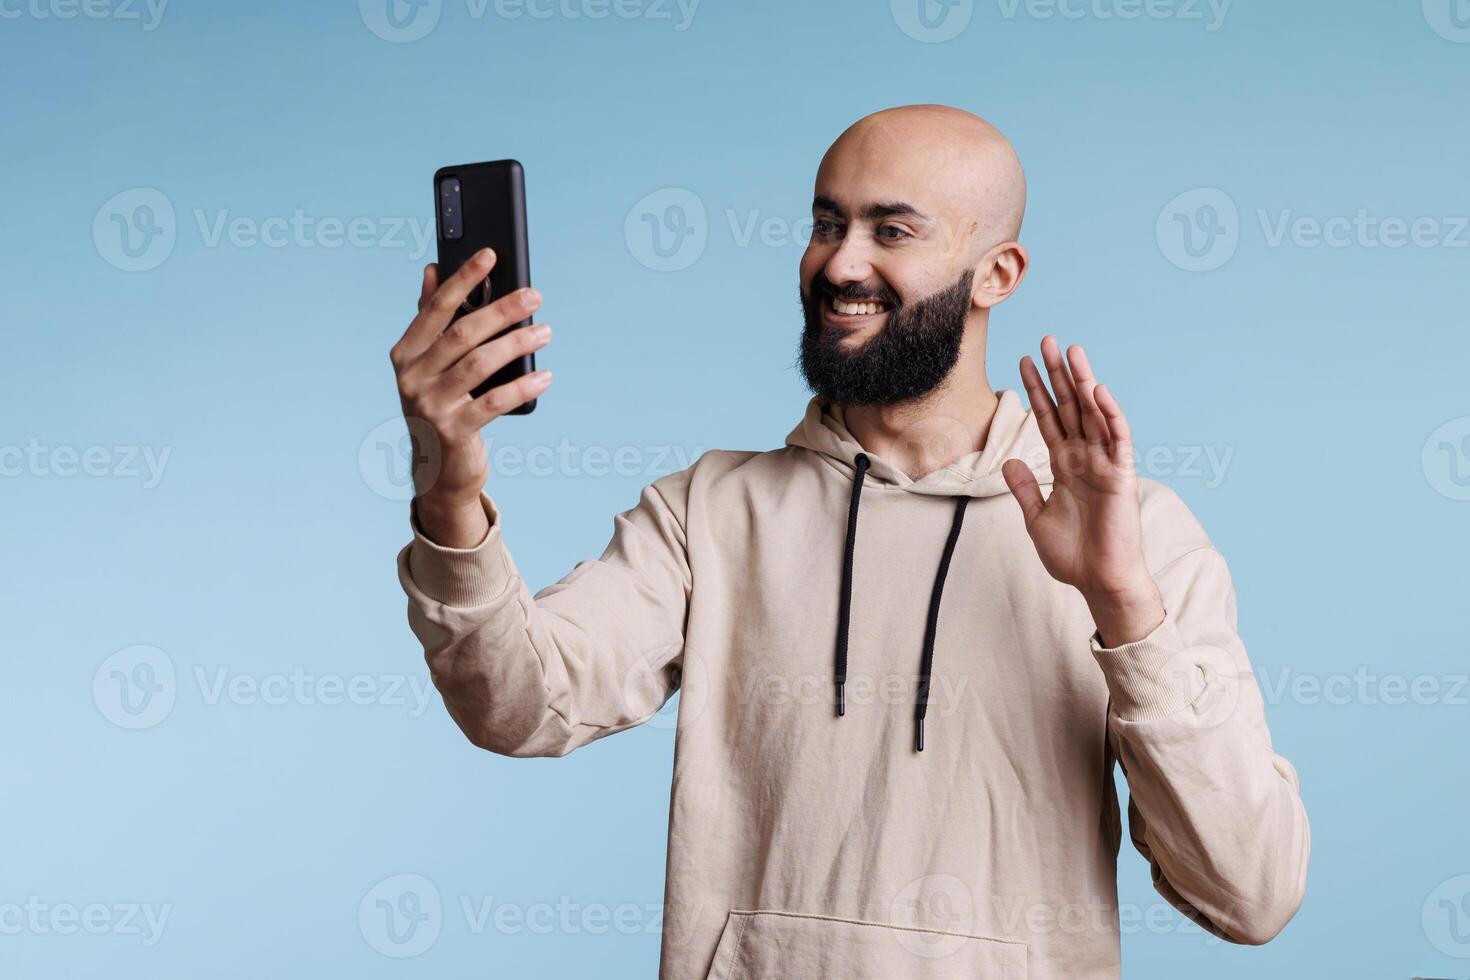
{"x": 449, "y": 205}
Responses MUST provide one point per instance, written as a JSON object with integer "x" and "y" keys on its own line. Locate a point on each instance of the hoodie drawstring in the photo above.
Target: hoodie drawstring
{"x": 931, "y": 626}
{"x": 844, "y": 602}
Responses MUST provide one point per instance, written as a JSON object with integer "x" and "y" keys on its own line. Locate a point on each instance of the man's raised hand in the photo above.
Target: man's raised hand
{"x": 1087, "y": 533}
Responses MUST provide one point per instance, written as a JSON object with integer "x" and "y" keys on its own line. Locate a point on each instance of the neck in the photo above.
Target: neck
{"x": 924, "y": 434}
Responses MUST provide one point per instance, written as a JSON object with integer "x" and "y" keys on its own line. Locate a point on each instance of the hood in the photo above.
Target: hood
{"x": 1013, "y": 434}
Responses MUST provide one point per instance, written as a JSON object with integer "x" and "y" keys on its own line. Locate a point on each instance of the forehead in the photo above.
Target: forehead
{"x": 881, "y": 165}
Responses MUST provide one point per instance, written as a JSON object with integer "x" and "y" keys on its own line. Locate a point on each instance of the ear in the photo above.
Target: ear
{"x": 998, "y": 274}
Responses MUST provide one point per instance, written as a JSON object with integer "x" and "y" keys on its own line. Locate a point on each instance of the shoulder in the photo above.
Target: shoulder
{"x": 1170, "y": 529}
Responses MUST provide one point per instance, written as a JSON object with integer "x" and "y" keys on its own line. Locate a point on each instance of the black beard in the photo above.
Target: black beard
{"x": 909, "y": 357}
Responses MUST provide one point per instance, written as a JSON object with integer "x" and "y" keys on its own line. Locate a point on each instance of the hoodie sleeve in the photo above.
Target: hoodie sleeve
{"x": 1212, "y": 808}
{"x": 595, "y": 653}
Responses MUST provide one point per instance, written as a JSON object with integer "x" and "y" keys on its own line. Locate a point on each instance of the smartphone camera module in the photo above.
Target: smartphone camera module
{"x": 451, "y": 223}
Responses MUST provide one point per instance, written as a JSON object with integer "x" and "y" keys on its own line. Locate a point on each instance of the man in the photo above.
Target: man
{"x": 903, "y": 694}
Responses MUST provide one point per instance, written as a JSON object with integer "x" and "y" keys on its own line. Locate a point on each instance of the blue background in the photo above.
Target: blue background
{"x": 267, "y": 545}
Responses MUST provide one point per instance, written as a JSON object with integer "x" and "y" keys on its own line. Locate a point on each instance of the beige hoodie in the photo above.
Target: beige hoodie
{"x": 807, "y": 844}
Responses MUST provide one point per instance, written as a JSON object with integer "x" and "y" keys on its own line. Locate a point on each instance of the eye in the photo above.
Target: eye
{"x": 893, "y": 233}
{"x": 825, "y": 227}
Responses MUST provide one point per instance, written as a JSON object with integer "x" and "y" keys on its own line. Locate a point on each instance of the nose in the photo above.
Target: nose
{"x": 850, "y": 262}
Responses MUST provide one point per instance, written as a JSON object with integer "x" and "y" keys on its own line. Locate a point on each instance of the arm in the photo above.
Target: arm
{"x": 1212, "y": 808}
{"x": 593, "y": 654}
{"x": 1215, "y": 811}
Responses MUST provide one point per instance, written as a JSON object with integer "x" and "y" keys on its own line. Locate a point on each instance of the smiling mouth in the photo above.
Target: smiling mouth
{"x": 845, "y": 308}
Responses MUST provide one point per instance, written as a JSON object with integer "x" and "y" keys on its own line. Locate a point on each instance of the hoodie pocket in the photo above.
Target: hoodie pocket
{"x": 766, "y": 945}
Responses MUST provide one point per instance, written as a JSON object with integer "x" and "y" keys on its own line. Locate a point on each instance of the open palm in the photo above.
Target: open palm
{"x": 1087, "y": 532}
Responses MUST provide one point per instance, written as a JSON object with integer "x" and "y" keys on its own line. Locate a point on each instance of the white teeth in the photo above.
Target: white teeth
{"x": 855, "y": 309}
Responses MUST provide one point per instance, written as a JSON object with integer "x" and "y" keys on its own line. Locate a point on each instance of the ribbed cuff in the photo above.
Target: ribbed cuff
{"x": 1148, "y": 678}
{"x": 461, "y": 576}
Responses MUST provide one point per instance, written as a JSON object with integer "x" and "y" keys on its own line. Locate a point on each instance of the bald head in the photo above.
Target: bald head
{"x": 958, "y": 163}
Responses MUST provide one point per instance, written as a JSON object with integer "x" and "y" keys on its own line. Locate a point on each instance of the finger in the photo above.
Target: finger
{"x": 472, "y": 330}
{"x": 1041, "y": 403}
{"x": 441, "y": 305}
{"x": 1061, "y": 386}
{"x": 1024, "y": 488}
{"x": 1094, "y": 425}
{"x": 502, "y": 398}
{"x": 483, "y": 361}
{"x": 431, "y": 283}
{"x": 1117, "y": 424}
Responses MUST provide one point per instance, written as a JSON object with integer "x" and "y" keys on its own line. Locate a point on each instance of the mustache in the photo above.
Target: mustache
{"x": 855, "y": 292}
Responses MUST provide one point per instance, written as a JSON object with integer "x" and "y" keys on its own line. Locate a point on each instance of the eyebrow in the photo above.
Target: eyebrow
{"x": 873, "y": 212}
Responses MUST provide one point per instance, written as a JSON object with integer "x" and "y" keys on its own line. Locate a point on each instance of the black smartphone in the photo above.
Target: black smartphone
{"x": 483, "y": 205}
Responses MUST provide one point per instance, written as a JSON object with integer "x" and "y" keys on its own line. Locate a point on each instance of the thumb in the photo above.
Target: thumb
{"x": 1024, "y": 488}
{"x": 431, "y": 283}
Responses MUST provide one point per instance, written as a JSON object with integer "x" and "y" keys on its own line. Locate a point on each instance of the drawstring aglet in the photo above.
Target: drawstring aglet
{"x": 919, "y": 736}
{"x": 841, "y": 699}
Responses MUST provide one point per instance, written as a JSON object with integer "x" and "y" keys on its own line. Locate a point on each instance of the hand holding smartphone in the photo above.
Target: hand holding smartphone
{"x": 454, "y": 382}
